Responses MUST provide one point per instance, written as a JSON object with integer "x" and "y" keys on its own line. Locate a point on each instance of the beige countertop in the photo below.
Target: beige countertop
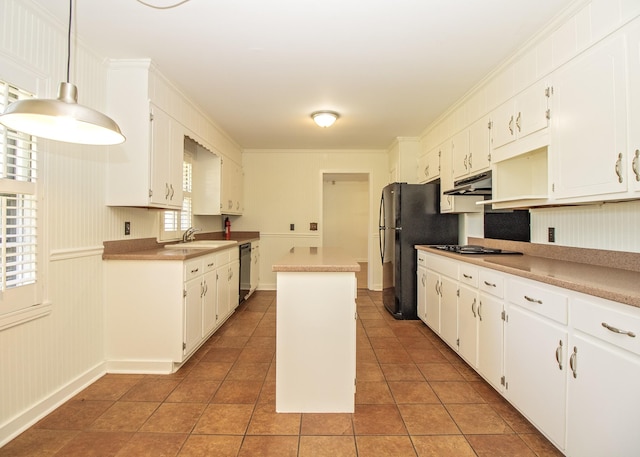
{"x": 311, "y": 259}
{"x": 150, "y": 249}
{"x": 590, "y": 271}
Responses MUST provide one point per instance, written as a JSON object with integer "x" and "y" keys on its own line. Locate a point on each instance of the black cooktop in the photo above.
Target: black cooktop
{"x": 473, "y": 249}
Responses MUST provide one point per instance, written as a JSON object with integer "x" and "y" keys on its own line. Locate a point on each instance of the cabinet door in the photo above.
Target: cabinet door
{"x": 461, "y": 155}
{"x": 222, "y": 296}
{"x": 234, "y": 284}
{"x": 255, "y": 265}
{"x": 232, "y": 186}
{"x": 588, "y": 123}
{"x": 192, "y": 314}
{"x": 531, "y": 110}
{"x": 433, "y": 301}
{"x": 449, "y": 311}
{"x": 429, "y": 166}
{"x": 421, "y": 292}
{"x": 503, "y": 130}
{"x": 633, "y": 161}
{"x": 160, "y": 162}
{"x": 603, "y": 399}
{"x": 468, "y": 325}
{"x": 490, "y": 339}
{"x": 480, "y": 145}
{"x": 535, "y": 367}
{"x": 209, "y": 300}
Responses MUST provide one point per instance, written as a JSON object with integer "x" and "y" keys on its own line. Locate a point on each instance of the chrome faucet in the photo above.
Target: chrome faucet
{"x": 189, "y": 234}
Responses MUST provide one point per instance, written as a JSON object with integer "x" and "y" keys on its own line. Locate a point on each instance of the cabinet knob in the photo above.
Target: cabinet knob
{"x": 559, "y": 354}
{"x": 635, "y": 165}
{"x": 573, "y": 362}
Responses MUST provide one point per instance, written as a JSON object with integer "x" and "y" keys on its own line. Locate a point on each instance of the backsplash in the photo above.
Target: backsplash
{"x": 611, "y": 226}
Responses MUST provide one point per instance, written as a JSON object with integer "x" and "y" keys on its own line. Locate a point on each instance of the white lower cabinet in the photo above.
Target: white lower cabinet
{"x": 569, "y": 362}
{"x": 158, "y": 312}
{"x": 536, "y": 355}
{"x": 421, "y": 286}
{"x": 604, "y": 368}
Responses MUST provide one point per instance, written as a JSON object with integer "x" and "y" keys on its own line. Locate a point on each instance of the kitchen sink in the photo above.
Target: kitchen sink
{"x": 201, "y": 244}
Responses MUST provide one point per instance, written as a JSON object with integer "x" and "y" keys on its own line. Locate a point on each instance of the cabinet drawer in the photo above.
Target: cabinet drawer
{"x": 192, "y": 268}
{"x": 468, "y": 275}
{"x": 209, "y": 262}
{"x": 593, "y": 318}
{"x": 538, "y": 299}
{"x": 491, "y": 283}
{"x": 422, "y": 259}
{"x": 443, "y": 265}
{"x": 223, "y": 257}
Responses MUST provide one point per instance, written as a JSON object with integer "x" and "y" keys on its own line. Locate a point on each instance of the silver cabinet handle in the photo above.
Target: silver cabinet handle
{"x": 424, "y": 279}
{"x": 195, "y": 270}
{"x": 559, "y": 354}
{"x": 467, "y": 276}
{"x": 166, "y": 190}
{"x": 201, "y": 290}
{"x": 617, "y": 330}
{"x": 532, "y": 300}
{"x": 470, "y": 154}
{"x": 511, "y": 125}
{"x": 466, "y": 167}
{"x": 573, "y": 362}
{"x": 518, "y": 122}
{"x": 490, "y": 284}
{"x": 473, "y": 307}
{"x": 619, "y": 167}
{"x": 426, "y": 170}
{"x": 171, "y": 187}
{"x": 479, "y": 308}
{"x": 634, "y": 164}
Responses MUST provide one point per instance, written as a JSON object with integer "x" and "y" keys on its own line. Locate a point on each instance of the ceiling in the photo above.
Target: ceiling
{"x": 260, "y": 67}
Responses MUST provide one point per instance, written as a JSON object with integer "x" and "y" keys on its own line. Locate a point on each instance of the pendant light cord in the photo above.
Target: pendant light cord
{"x": 69, "y": 40}
{"x": 163, "y": 7}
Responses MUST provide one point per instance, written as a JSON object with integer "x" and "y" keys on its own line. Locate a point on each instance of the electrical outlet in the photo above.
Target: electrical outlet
{"x": 292, "y": 227}
{"x": 313, "y": 226}
{"x": 552, "y": 235}
{"x": 127, "y": 228}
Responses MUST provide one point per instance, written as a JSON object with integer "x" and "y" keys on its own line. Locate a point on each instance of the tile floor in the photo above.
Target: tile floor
{"x": 415, "y": 397}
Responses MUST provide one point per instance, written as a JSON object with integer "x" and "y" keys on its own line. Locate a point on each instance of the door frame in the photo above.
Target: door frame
{"x": 370, "y": 224}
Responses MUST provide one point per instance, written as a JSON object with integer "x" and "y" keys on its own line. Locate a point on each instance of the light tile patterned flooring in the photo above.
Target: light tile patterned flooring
{"x": 415, "y": 397}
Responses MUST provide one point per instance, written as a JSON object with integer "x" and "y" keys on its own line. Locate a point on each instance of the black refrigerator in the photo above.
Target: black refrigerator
{"x": 409, "y": 215}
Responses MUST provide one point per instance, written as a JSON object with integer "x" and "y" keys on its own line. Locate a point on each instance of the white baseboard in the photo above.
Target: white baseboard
{"x": 18, "y": 424}
{"x": 140, "y": 366}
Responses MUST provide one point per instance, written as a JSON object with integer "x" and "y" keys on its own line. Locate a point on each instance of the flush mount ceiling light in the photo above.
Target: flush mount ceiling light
{"x": 62, "y": 119}
{"x": 324, "y": 118}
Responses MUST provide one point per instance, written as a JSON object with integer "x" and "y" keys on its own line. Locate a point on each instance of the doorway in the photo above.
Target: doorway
{"x": 346, "y": 217}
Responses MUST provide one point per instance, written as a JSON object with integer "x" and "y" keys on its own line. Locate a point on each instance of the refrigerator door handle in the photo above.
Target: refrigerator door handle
{"x": 381, "y": 228}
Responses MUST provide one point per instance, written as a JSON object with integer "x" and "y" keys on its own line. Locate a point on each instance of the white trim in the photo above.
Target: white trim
{"x": 24, "y": 315}
{"x": 140, "y": 366}
{"x": 66, "y": 254}
{"x": 18, "y": 424}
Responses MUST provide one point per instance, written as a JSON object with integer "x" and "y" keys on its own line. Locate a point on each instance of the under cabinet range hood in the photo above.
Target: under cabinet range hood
{"x": 479, "y": 184}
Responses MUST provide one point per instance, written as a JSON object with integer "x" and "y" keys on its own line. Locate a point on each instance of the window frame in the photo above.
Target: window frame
{"x": 19, "y": 182}
{"x": 173, "y": 223}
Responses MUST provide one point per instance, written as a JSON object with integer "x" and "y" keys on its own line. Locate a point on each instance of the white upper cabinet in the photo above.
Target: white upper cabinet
{"x": 521, "y": 116}
{"x": 588, "y": 134}
{"x": 231, "y": 191}
{"x": 632, "y": 161}
{"x": 429, "y": 166}
{"x": 145, "y": 170}
{"x": 480, "y": 145}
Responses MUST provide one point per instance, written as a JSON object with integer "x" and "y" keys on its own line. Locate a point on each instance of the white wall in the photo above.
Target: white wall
{"x": 284, "y": 187}
{"x": 345, "y": 221}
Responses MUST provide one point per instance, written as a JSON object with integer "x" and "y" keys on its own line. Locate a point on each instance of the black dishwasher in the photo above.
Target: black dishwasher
{"x": 245, "y": 271}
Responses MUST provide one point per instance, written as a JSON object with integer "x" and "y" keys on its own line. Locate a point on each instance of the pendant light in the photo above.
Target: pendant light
{"x": 62, "y": 119}
{"x": 324, "y": 118}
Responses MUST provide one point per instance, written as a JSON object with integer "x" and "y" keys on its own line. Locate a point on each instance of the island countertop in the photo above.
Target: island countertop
{"x": 312, "y": 259}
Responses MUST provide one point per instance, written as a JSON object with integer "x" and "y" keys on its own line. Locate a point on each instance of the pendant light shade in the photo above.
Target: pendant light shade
{"x": 324, "y": 118}
{"x": 62, "y": 119}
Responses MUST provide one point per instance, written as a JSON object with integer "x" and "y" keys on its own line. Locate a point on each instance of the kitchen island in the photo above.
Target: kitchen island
{"x": 316, "y": 331}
